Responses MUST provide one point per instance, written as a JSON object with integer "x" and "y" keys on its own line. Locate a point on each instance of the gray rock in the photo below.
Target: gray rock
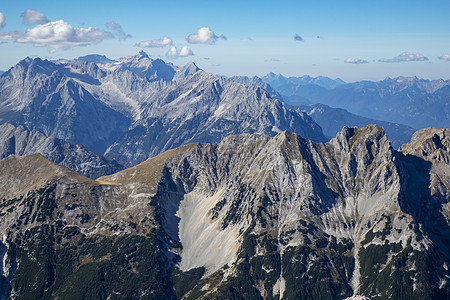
{"x": 21, "y": 142}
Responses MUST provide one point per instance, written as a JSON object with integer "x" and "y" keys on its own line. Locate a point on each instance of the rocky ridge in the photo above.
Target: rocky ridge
{"x": 21, "y": 142}
{"x": 412, "y": 101}
{"x": 254, "y": 216}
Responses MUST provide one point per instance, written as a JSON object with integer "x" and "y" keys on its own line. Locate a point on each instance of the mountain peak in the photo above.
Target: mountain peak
{"x": 430, "y": 143}
{"x": 362, "y": 138}
{"x": 188, "y": 69}
{"x": 142, "y": 53}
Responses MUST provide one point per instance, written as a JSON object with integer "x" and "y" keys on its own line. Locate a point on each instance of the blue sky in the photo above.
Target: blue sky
{"x": 353, "y": 40}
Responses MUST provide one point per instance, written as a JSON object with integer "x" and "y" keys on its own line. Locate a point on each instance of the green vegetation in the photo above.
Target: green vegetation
{"x": 123, "y": 267}
{"x": 183, "y": 282}
{"x": 397, "y": 278}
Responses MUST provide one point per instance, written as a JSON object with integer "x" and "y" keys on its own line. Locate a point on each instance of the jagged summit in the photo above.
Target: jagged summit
{"x": 429, "y": 143}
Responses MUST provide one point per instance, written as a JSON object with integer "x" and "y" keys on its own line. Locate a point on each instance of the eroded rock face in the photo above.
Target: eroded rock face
{"x": 252, "y": 216}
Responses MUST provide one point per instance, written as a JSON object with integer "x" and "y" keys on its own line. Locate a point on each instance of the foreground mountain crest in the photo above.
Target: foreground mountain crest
{"x": 252, "y": 217}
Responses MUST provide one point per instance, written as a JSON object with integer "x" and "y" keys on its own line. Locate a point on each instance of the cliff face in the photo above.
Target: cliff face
{"x": 251, "y": 217}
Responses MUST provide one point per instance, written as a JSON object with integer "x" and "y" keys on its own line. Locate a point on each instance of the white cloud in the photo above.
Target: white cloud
{"x": 185, "y": 51}
{"x": 118, "y": 29}
{"x": 204, "y": 36}
{"x": 32, "y": 16}
{"x": 405, "y": 57}
{"x": 158, "y": 43}
{"x": 62, "y": 35}
{"x": 2, "y": 20}
{"x": 444, "y": 57}
{"x": 355, "y": 61}
{"x": 172, "y": 51}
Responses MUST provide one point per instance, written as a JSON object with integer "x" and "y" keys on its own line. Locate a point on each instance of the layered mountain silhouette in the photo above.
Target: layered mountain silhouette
{"x": 136, "y": 107}
{"x": 412, "y": 101}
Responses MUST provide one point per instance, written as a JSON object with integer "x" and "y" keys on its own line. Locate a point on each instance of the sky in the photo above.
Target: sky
{"x": 351, "y": 40}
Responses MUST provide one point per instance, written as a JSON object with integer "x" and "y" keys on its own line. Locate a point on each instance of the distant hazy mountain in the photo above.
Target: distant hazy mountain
{"x": 96, "y": 58}
{"x": 137, "y": 107}
{"x": 1, "y": 72}
{"x": 333, "y": 119}
{"x": 21, "y": 142}
{"x": 278, "y": 81}
{"x": 253, "y": 217}
{"x": 297, "y": 90}
{"x": 412, "y": 101}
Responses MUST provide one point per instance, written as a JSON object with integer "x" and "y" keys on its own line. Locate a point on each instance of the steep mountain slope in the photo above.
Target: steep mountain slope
{"x": 137, "y": 107}
{"x": 332, "y": 120}
{"x": 323, "y": 218}
{"x": 21, "y": 142}
{"x": 63, "y": 237}
{"x": 253, "y": 217}
{"x": 43, "y": 96}
{"x": 204, "y": 108}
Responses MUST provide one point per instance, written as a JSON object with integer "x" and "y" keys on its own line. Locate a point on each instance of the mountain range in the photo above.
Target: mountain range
{"x": 231, "y": 189}
{"x": 253, "y": 217}
{"x": 137, "y": 107}
{"x": 332, "y": 120}
{"x": 415, "y": 102}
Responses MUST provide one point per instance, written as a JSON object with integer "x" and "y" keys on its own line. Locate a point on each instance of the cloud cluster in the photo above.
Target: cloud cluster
{"x": 204, "y": 35}
{"x": 158, "y": 43}
{"x": 2, "y": 20}
{"x": 31, "y": 16}
{"x": 57, "y": 34}
{"x": 118, "y": 29}
{"x": 272, "y": 60}
{"x": 355, "y": 61}
{"x": 62, "y": 35}
{"x": 185, "y": 51}
{"x": 298, "y": 38}
{"x": 404, "y": 57}
{"x": 444, "y": 57}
